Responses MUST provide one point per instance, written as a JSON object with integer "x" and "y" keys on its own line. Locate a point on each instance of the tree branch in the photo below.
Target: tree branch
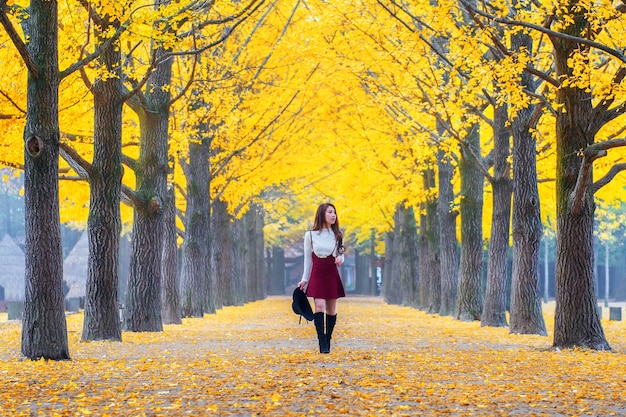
{"x": 615, "y": 169}
{"x": 593, "y": 152}
{"x": 96, "y": 53}
{"x": 77, "y": 162}
{"x": 553, "y": 34}
{"x": 17, "y": 40}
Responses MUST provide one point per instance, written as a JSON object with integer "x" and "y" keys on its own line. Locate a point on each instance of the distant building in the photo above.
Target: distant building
{"x": 75, "y": 273}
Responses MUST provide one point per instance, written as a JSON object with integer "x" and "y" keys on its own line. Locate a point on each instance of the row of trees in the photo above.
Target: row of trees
{"x": 187, "y": 120}
{"x": 548, "y": 74}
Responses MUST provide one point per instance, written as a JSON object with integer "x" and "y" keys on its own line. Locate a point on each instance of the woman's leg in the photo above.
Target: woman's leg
{"x": 331, "y": 319}
{"x": 331, "y": 307}
{"x": 320, "y": 305}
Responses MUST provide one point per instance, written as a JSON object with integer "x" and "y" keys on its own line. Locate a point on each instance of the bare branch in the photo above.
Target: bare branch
{"x": 77, "y": 162}
{"x": 129, "y": 162}
{"x": 615, "y": 169}
{"x": 10, "y": 100}
{"x": 593, "y": 152}
{"x": 17, "y": 40}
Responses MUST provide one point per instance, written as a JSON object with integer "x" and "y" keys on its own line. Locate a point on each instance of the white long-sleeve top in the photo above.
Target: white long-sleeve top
{"x": 324, "y": 245}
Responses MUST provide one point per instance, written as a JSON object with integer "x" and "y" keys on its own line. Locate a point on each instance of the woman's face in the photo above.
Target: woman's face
{"x": 330, "y": 216}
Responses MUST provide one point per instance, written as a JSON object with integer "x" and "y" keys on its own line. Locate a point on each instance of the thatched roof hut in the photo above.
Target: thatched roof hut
{"x": 12, "y": 269}
{"x": 75, "y": 268}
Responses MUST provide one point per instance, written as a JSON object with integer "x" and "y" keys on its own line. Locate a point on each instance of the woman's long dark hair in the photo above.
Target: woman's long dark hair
{"x": 320, "y": 222}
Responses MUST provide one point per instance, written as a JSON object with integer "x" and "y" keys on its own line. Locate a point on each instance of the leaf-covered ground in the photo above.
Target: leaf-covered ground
{"x": 256, "y": 360}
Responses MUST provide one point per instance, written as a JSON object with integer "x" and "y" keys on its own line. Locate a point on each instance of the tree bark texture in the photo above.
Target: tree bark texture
{"x": 171, "y": 312}
{"x": 470, "y": 301}
{"x": 143, "y": 297}
{"x": 409, "y": 266}
{"x": 142, "y": 312}
{"x": 102, "y": 317}
{"x": 577, "y": 322}
{"x": 525, "y": 312}
{"x": 448, "y": 245}
{"x": 195, "y": 249}
{"x": 494, "y": 311}
{"x": 44, "y": 330}
{"x": 222, "y": 267}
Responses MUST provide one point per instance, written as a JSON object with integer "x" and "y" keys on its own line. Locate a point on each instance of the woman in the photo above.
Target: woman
{"x": 323, "y": 253}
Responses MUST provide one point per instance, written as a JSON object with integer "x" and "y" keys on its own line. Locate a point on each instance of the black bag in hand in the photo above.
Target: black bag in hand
{"x": 300, "y": 304}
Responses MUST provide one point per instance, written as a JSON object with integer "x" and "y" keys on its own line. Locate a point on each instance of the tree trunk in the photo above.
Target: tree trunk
{"x": 526, "y": 315}
{"x": 408, "y": 249}
{"x": 102, "y": 317}
{"x": 470, "y": 301}
{"x": 170, "y": 296}
{"x": 143, "y": 297}
{"x": 448, "y": 246}
{"x": 577, "y": 322}
{"x": 429, "y": 267}
{"x": 240, "y": 259}
{"x": 277, "y": 271}
{"x": 362, "y": 266}
{"x": 195, "y": 249}
{"x": 255, "y": 269}
{"x": 525, "y": 311}
{"x": 142, "y": 312}
{"x": 392, "y": 289}
{"x": 222, "y": 267}
{"x": 494, "y": 312}
{"x": 44, "y": 331}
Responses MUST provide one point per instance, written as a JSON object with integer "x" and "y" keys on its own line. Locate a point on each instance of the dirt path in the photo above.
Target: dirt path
{"x": 256, "y": 360}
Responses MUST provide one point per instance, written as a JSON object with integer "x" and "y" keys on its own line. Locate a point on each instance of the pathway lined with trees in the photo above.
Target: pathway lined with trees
{"x": 442, "y": 131}
{"x": 257, "y": 360}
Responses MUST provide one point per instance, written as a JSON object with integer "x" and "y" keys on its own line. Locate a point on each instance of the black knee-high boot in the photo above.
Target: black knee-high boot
{"x": 330, "y": 325}
{"x": 318, "y": 319}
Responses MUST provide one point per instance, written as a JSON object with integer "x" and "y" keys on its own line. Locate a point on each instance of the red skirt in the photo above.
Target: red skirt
{"x": 325, "y": 281}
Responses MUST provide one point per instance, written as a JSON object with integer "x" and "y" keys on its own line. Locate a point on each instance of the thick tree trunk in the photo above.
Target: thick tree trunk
{"x": 526, "y": 315}
{"x": 102, "y": 318}
{"x": 577, "y": 322}
{"x": 195, "y": 249}
{"x": 255, "y": 270}
{"x": 448, "y": 245}
{"x": 494, "y": 311}
{"x": 222, "y": 267}
{"x": 408, "y": 251}
{"x": 170, "y": 296}
{"x": 44, "y": 331}
{"x": 470, "y": 301}
{"x": 142, "y": 311}
{"x": 143, "y": 297}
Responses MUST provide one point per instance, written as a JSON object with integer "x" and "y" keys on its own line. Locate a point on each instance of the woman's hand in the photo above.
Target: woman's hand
{"x": 338, "y": 260}
{"x": 302, "y": 284}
